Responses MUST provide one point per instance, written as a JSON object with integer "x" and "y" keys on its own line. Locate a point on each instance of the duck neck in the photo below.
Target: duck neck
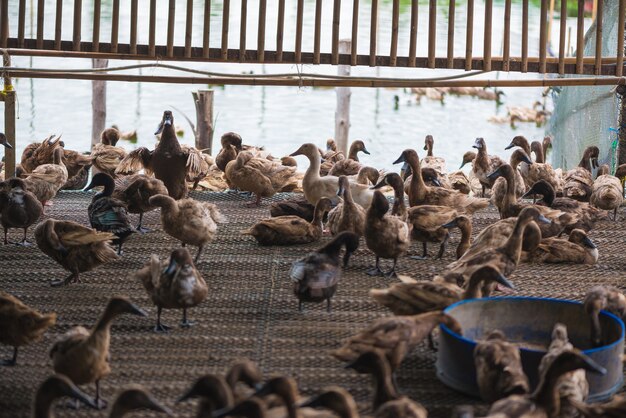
{"x": 525, "y": 146}
{"x": 313, "y": 172}
{"x": 466, "y": 239}
{"x": 318, "y": 215}
{"x": 417, "y": 187}
{"x": 513, "y": 245}
{"x": 347, "y": 195}
{"x": 585, "y": 162}
{"x": 547, "y": 395}
{"x": 540, "y": 156}
{"x": 353, "y": 153}
{"x": 168, "y": 141}
{"x": 548, "y": 196}
{"x": 509, "y": 197}
{"x": 399, "y": 207}
{"x": 429, "y": 150}
{"x": 474, "y": 288}
{"x": 109, "y": 188}
{"x": 104, "y": 322}
{"x": 43, "y": 403}
{"x": 544, "y": 150}
{"x": 384, "y": 389}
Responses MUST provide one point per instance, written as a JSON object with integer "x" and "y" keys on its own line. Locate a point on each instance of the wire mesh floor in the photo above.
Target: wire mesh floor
{"x": 250, "y": 311}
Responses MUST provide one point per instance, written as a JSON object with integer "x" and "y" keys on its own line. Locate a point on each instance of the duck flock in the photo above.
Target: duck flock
{"x": 546, "y": 214}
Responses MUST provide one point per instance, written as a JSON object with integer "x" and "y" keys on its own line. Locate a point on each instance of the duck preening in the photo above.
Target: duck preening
{"x": 600, "y": 298}
{"x": 577, "y": 182}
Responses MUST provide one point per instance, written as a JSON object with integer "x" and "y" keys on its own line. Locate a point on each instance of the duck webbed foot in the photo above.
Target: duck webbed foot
{"x": 161, "y": 328}
{"x": 100, "y": 403}
{"x": 12, "y": 361}
{"x": 72, "y": 278}
{"x": 424, "y": 255}
{"x": 392, "y": 273}
{"x": 140, "y": 228}
{"x": 376, "y": 271}
{"x": 185, "y": 323}
{"x": 24, "y": 243}
{"x": 442, "y": 248}
{"x": 254, "y": 203}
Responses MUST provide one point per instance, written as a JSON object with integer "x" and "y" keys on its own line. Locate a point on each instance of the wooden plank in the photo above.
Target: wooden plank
{"x": 395, "y": 17}
{"x": 299, "y": 14}
{"x": 506, "y": 47}
{"x": 206, "y": 31}
{"x": 225, "y": 21}
{"x": 58, "y": 25}
{"x": 543, "y": 42}
{"x": 451, "y": 13}
{"x": 355, "y": 32}
{"x": 580, "y": 36}
{"x": 432, "y": 32}
{"x": 413, "y": 35}
{"x": 487, "y": 34}
{"x": 40, "y": 21}
{"x": 261, "y": 34}
{"x": 9, "y": 131}
{"x": 524, "y": 36}
{"x": 97, "y": 6}
{"x": 171, "y": 25}
{"x": 373, "y": 32}
{"x": 562, "y": 36}
{"x": 335, "y": 34}
{"x": 134, "y": 4}
{"x": 188, "y": 28}
{"x": 469, "y": 35}
{"x": 280, "y": 30}
{"x": 243, "y": 30}
{"x": 318, "y": 32}
{"x": 619, "y": 65}
{"x": 21, "y": 22}
{"x": 115, "y": 25}
{"x": 4, "y": 23}
{"x": 78, "y": 5}
{"x": 152, "y": 29}
{"x": 599, "y": 25}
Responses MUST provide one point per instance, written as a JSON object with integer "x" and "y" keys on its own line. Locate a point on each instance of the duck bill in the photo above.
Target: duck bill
{"x": 527, "y": 160}
{"x": 449, "y": 225}
{"x": 543, "y": 219}
{"x": 136, "y": 310}
{"x": 477, "y": 145}
{"x": 73, "y": 392}
{"x": 154, "y": 405}
{"x": 504, "y": 281}
{"x": 462, "y": 165}
{"x": 511, "y": 145}
{"x": 494, "y": 175}
{"x": 425, "y": 147}
{"x": 365, "y": 151}
{"x": 7, "y": 145}
{"x": 436, "y": 182}
{"x": 295, "y": 153}
{"x": 592, "y": 366}
{"x": 171, "y": 267}
{"x": 311, "y": 402}
{"x": 588, "y": 243}
{"x": 90, "y": 186}
{"x": 400, "y": 159}
{"x": 528, "y": 194}
{"x": 346, "y": 258}
{"x": 340, "y": 190}
{"x": 262, "y": 391}
{"x": 379, "y": 184}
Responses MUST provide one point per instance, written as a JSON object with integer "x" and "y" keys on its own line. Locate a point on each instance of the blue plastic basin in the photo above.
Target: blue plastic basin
{"x": 528, "y": 321}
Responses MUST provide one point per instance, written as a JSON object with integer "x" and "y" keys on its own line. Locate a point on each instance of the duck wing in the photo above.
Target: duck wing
{"x": 109, "y": 215}
{"x": 106, "y": 158}
{"x": 135, "y": 161}
{"x": 68, "y": 341}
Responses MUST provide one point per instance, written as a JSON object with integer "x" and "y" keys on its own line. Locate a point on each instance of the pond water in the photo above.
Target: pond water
{"x": 280, "y": 118}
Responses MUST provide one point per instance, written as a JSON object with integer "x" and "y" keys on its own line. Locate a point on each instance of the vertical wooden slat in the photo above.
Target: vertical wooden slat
{"x": 58, "y": 25}
{"x": 78, "y": 5}
{"x": 243, "y": 30}
{"x": 506, "y": 47}
{"x": 188, "y": 28}
{"x": 413, "y": 35}
{"x": 562, "y": 37}
{"x": 9, "y": 121}
{"x": 4, "y": 23}
{"x": 318, "y": 32}
{"x": 580, "y": 36}
{"x": 395, "y": 16}
{"x": 225, "y": 19}
{"x": 21, "y": 23}
{"x": 280, "y": 30}
{"x": 432, "y": 32}
{"x": 355, "y": 32}
{"x": 206, "y": 29}
{"x": 469, "y": 35}
{"x": 261, "y": 35}
{"x": 598, "y": 63}
{"x": 543, "y": 43}
{"x": 487, "y": 36}
{"x": 373, "y": 33}
{"x": 299, "y": 14}
{"x": 451, "y": 13}
{"x": 152, "y": 29}
{"x": 115, "y": 25}
{"x": 335, "y": 35}
{"x": 619, "y": 68}
{"x": 171, "y": 20}
{"x": 95, "y": 39}
{"x": 134, "y": 4}
{"x": 524, "y": 36}
{"x": 40, "y": 22}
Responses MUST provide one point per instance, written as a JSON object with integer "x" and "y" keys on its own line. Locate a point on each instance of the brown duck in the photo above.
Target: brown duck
{"x": 600, "y": 298}
{"x": 484, "y": 164}
{"x": 136, "y": 190}
{"x": 351, "y": 165}
{"x": 55, "y": 387}
{"x": 133, "y": 398}
{"x": 577, "y": 182}
{"x": 347, "y": 215}
{"x": 19, "y": 208}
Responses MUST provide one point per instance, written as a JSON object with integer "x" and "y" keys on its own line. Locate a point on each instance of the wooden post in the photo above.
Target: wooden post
{"x": 4, "y": 23}
{"x": 469, "y": 35}
{"x": 9, "y": 131}
{"x": 621, "y": 90}
{"x": 98, "y": 103}
{"x": 203, "y": 99}
{"x": 342, "y": 112}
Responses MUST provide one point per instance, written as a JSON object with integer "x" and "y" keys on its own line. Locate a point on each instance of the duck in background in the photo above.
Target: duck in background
{"x": 351, "y": 165}
{"x": 577, "y": 249}
{"x": 106, "y": 156}
{"x": 47, "y": 179}
{"x": 430, "y": 161}
{"x": 135, "y": 191}
{"x": 578, "y": 183}
{"x": 499, "y": 189}
{"x": 19, "y": 208}
{"x": 231, "y": 145}
{"x": 347, "y": 215}
{"x": 600, "y": 298}
{"x": 607, "y": 191}
{"x": 485, "y": 164}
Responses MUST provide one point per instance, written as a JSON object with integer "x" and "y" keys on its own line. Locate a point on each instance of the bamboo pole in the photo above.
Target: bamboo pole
{"x": 280, "y": 30}
{"x": 299, "y": 14}
{"x": 95, "y": 42}
{"x": 225, "y": 19}
{"x": 395, "y": 17}
{"x": 451, "y": 13}
{"x": 115, "y": 25}
{"x": 188, "y": 28}
{"x": 487, "y": 35}
{"x": 562, "y": 35}
{"x": 78, "y": 4}
{"x": 580, "y": 36}
{"x": 206, "y": 31}
{"x": 506, "y": 47}
{"x": 524, "y": 36}
{"x": 432, "y": 32}
{"x": 569, "y": 41}
{"x": 4, "y": 11}
{"x": 261, "y": 35}
{"x": 594, "y": 10}
{"x": 171, "y": 20}
{"x": 40, "y": 22}
{"x": 550, "y": 21}
{"x": 413, "y": 36}
{"x": 318, "y": 32}
{"x": 355, "y": 32}
{"x": 599, "y": 36}
{"x": 152, "y": 29}
{"x": 21, "y": 23}
{"x": 373, "y": 32}
{"x": 134, "y": 4}
{"x": 243, "y": 30}
{"x": 342, "y": 110}
{"x": 469, "y": 35}
{"x": 619, "y": 65}
{"x": 542, "y": 36}
{"x": 335, "y": 34}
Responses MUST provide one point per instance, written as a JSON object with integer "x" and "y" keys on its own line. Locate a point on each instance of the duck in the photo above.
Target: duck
{"x": 351, "y": 165}
{"x": 168, "y": 161}
{"x": 426, "y": 224}
{"x": 540, "y": 170}
{"x": 136, "y": 397}
{"x": 417, "y": 297}
{"x": 387, "y": 236}
{"x": 75, "y": 247}
{"x": 77, "y": 165}
{"x": 21, "y": 324}
{"x": 108, "y": 214}
{"x": 126, "y": 135}
{"x": 330, "y": 156}
{"x": 135, "y": 191}
{"x": 395, "y": 181}
{"x": 394, "y": 336}
{"x": 485, "y": 164}
{"x": 577, "y": 249}
{"x": 231, "y": 145}
{"x": 620, "y": 173}
{"x": 286, "y": 390}
{"x": 464, "y": 224}
{"x": 214, "y": 393}
{"x": 475, "y": 185}
{"x": 498, "y": 191}
{"x": 316, "y": 276}
{"x": 37, "y": 154}
{"x": 47, "y": 179}
{"x": 249, "y": 408}
{"x": 600, "y": 298}
{"x": 19, "y": 208}
{"x": 347, "y": 215}
{"x": 367, "y": 175}
{"x": 335, "y": 399}
{"x": 577, "y": 182}
{"x": 188, "y": 220}
{"x": 459, "y": 181}
{"x": 544, "y": 402}
{"x": 499, "y": 372}
{"x": 611, "y": 409}
{"x": 288, "y": 230}
{"x": 420, "y": 194}
{"x": 53, "y": 388}
{"x": 607, "y": 192}
{"x": 293, "y": 207}
{"x": 262, "y": 177}
{"x": 387, "y": 402}
{"x": 83, "y": 355}
{"x": 438, "y": 163}
{"x": 572, "y": 386}
{"x": 175, "y": 283}
{"x": 106, "y": 156}
{"x": 244, "y": 378}
{"x": 200, "y": 166}
{"x": 503, "y": 258}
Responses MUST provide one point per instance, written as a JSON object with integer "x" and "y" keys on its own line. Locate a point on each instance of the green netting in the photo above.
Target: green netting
{"x": 587, "y": 115}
